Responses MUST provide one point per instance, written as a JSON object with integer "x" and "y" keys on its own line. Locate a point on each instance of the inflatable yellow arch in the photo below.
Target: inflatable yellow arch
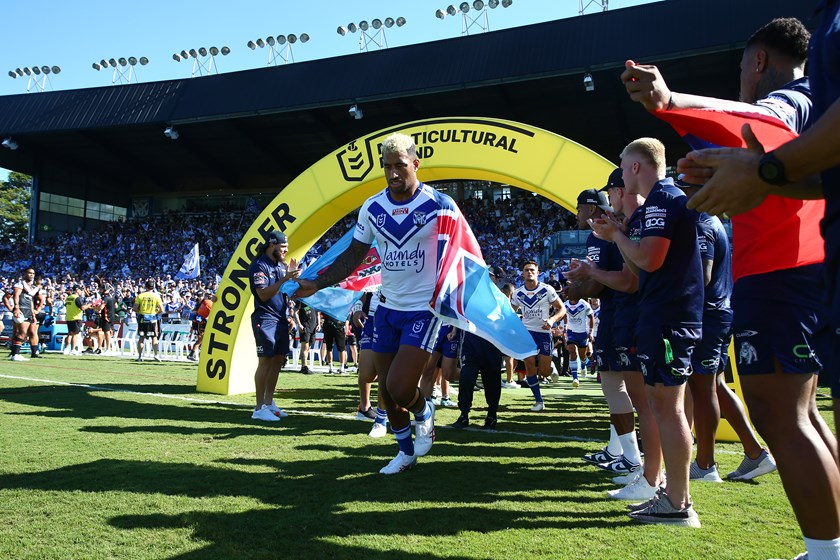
{"x": 465, "y": 148}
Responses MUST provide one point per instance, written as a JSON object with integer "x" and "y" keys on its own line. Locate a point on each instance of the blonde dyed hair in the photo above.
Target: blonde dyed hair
{"x": 649, "y": 149}
{"x": 399, "y": 144}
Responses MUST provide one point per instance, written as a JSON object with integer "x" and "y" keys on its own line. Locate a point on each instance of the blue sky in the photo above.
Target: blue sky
{"x": 73, "y": 35}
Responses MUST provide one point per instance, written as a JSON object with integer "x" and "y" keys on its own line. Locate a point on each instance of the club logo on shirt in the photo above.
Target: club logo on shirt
{"x": 747, "y": 354}
{"x": 419, "y": 219}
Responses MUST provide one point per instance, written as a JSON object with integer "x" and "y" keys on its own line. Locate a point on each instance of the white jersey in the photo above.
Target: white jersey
{"x": 536, "y": 305}
{"x": 407, "y": 238}
{"x": 578, "y": 316}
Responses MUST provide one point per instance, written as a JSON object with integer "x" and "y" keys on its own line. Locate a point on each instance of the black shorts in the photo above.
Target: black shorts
{"x": 307, "y": 336}
{"x": 106, "y": 326}
{"x": 148, "y": 329}
{"x": 335, "y": 336}
{"x": 74, "y": 326}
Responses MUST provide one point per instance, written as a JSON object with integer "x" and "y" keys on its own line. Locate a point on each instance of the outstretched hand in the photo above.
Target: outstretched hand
{"x": 646, "y": 85}
{"x": 732, "y": 185}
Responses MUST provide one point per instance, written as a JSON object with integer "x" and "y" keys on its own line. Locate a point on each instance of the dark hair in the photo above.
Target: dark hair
{"x": 150, "y": 284}
{"x": 787, "y": 36}
{"x": 526, "y": 263}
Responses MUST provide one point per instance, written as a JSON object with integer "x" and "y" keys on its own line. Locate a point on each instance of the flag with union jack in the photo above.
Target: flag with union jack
{"x": 465, "y": 296}
{"x": 338, "y": 301}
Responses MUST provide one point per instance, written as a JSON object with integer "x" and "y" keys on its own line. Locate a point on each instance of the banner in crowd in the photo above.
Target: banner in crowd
{"x": 191, "y": 267}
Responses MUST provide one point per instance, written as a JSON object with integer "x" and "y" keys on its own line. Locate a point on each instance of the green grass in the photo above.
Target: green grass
{"x": 137, "y": 465}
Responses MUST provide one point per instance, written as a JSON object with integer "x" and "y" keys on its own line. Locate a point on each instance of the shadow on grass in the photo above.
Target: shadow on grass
{"x": 313, "y": 504}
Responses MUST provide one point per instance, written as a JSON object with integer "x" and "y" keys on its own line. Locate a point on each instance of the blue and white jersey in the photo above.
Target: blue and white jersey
{"x": 577, "y": 316}
{"x": 535, "y": 305}
{"x": 407, "y": 236}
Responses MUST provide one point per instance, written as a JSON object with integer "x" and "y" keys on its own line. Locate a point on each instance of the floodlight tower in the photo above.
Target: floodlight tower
{"x": 124, "y": 71}
{"x": 39, "y": 76}
{"x": 480, "y": 16}
{"x": 279, "y": 48}
{"x": 585, "y": 4}
{"x": 204, "y": 59}
{"x": 376, "y": 36}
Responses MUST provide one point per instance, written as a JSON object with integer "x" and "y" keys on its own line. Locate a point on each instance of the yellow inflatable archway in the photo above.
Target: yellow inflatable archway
{"x": 451, "y": 148}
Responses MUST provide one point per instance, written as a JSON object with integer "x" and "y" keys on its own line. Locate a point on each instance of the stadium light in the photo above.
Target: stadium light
{"x": 588, "y": 82}
{"x": 124, "y": 68}
{"x": 585, "y": 4}
{"x": 39, "y": 76}
{"x": 10, "y": 144}
{"x": 204, "y": 59}
{"x": 372, "y": 33}
{"x": 280, "y": 47}
{"x": 355, "y": 112}
{"x": 171, "y": 133}
{"x": 475, "y": 15}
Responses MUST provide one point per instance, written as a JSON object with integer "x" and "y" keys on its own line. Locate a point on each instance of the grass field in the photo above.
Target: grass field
{"x": 106, "y": 458}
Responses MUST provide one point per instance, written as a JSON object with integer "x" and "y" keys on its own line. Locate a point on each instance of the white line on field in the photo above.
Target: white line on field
{"x": 537, "y": 435}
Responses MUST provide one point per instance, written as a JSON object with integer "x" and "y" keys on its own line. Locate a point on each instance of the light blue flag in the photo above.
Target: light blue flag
{"x": 335, "y": 302}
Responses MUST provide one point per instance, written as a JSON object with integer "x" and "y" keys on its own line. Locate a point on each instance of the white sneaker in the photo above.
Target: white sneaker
{"x": 637, "y": 491}
{"x": 436, "y": 393}
{"x": 18, "y": 358}
{"x": 575, "y": 383}
{"x": 76, "y": 353}
{"x": 424, "y": 434}
{"x": 158, "y": 358}
{"x": 626, "y": 479}
{"x": 278, "y": 412}
{"x": 555, "y": 377}
{"x": 400, "y": 463}
{"x": 511, "y": 385}
{"x": 448, "y": 403}
{"x": 66, "y": 350}
{"x": 264, "y": 413}
{"x": 378, "y": 430}
{"x": 538, "y": 407}
{"x": 703, "y": 475}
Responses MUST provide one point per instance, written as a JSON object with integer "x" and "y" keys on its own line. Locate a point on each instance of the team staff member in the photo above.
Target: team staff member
{"x": 270, "y": 321}
{"x": 148, "y": 308}
{"x": 667, "y": 260}
{"x": 783, "y": 252}
{"x": 75, "y": 305}
{"x": 307, "y": 320}
{"x": 107, "y": 316}
{"x": 403, "y": 219}
{"x": 537, "y": 300}
{"x": 203, "y": 305}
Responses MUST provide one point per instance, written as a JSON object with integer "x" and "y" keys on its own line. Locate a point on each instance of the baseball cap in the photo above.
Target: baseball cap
{"x": 598, "y": 198}
{"x": 616, "y": 180}
{"x": 276, "y": 237}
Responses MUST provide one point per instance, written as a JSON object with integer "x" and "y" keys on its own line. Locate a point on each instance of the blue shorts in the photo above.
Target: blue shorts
{"x": 367, "y": 334}
{"x": 624, "y": 348}
{"x": 579, "y": 339}
{"x": 604, "y": 347}
{"x": 657, "y": 363}
{"x": 449, "y": 348}
{"x": 710, "y": 355}
{"x": 395, "y": 328}
{"x": 271, "y": 336}
{"x": 543, "y": 341}
{"x": 776, "y": 316}
{"x": 828, "y": 337}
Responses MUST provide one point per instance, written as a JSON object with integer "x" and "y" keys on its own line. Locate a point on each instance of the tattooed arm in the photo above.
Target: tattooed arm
{"x": 340, "y": 269}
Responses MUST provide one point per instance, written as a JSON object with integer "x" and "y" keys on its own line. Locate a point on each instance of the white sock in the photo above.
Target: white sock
{"x": 577, "y": 364}
{"x": 630, "y": 445}
{"x": 614, "y": 446}
{"x": 822, "y": 550}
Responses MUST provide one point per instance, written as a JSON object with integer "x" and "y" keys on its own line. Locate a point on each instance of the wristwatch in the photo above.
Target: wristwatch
{"x": 771, "y": 170}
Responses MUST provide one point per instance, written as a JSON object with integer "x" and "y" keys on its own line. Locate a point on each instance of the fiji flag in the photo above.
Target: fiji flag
{"x": 465, "y": 297}
{"x": 337, "y": 302}
{"x": 191, "y": 267}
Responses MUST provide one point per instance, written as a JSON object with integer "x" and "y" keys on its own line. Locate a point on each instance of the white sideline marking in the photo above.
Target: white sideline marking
{"x": 537, "y": 435}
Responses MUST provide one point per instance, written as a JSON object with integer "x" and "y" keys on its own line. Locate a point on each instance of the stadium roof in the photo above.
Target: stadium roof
{"x": 256, "y": 130}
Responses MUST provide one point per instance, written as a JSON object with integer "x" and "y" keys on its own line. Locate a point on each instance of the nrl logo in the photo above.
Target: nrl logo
{"x": 380, "y": 220}
{"x": 355, "y": 163}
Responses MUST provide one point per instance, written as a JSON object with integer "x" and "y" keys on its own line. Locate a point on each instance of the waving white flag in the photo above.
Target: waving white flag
{"x": 191, "y": 267}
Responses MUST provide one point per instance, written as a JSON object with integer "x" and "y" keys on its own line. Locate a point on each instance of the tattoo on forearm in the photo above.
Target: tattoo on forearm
{"x": 344, "y": 265}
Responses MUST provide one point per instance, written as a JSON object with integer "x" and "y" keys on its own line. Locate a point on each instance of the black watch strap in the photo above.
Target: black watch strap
{"x": 772, "y": 170}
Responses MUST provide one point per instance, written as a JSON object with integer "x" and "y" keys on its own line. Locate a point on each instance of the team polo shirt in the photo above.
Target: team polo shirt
{"x": 672, "y": 294}
{"x": 536, "y": 305}
{"x": 714, "y": 246}
{"x": 627, "y": 305}
{"x": 407, "y": 237}
{"x": 606, "y": 256}
{"x": 780, "y": 232}
{"x": 577, "y": 317}
{"x": 263, "y": 273}
{"x": 824, "y": 71}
